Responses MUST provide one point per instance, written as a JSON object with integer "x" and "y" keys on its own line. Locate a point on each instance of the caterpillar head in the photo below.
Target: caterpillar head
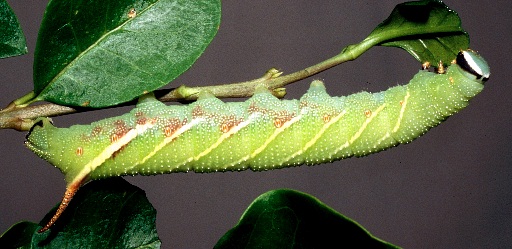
{"x": 473, "y": 64}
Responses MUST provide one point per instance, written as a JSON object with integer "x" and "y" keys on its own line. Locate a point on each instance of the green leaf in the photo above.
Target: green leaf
{"x": 291, "y": 219}
{"x": 19, "y": 235}
{"x": 100, "y": 53}
{"x": 12, "y": 40}
{"x": 103, "y": 214}
{"x": 428, "y": 30}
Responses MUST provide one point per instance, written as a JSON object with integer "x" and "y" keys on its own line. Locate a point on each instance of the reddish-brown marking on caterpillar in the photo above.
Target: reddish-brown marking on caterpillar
{"x": 168, "y": 131}
{"x": 225, "y": 127}
{"x": 278, "y": 123}
{"x": 141, "y": 118}
{"x": 304, "y": 104}
{"x": 198, "y": 111}
{"x": 172, "y": 125}
{"x": 368, "y": 113}
{"x": 141, "y": 121}
{"x": 118, "y": 151}
{"x": 228, "y": 122}
{"x": 401, "y": 102}
{"x": 119, "y": 123}
{"x": 96, "y": 131}
{"x": 280, "y": 117}
{"x": 119, "y": 131}
{"x": 253, "y": 108}
{"x": 114, "y": 138}
{"x": 283, "y": 118}
{"x": 79, "y": 151}
{"x": 326, "y": 118}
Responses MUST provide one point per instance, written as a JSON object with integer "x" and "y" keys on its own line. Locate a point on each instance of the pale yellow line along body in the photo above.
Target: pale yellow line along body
{"x": 317, "y": 136}
{"x": 398, "y": 121}
{"x": 268, "y": 141}
{"x": 223, "y": 137}
{"x": 402, "y": 111}
{"x": 360, "y": 131}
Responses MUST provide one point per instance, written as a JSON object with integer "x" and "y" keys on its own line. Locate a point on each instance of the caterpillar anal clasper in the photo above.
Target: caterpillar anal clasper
{"x": 261, "y": 133}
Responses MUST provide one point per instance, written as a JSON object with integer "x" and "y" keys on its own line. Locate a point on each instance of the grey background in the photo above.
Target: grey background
{"x": 448, "y": 189}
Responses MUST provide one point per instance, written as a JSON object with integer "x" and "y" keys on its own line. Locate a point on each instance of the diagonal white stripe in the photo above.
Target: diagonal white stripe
{"x": 110, "y": 150}
{"x": 316, "y": 137}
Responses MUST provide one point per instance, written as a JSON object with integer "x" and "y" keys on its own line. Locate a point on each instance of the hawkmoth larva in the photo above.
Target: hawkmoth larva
{"x": 261, "y": 133}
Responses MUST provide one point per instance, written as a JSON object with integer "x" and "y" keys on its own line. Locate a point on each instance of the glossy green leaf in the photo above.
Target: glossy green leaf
{"x": 99, "y": 53}
{"x": 19, "y": 235}
{"x": 428, "y": 29}
{"x": 291, "y": 219}
{"x": 12, "y": 40}
{"x": 104, "y": 214}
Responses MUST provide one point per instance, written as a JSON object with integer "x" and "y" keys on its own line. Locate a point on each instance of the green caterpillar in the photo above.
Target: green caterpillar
{"x": 261, "y": 133}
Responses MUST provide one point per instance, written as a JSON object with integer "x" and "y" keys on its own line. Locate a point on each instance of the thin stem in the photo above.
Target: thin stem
{"x": 23, "y": 117}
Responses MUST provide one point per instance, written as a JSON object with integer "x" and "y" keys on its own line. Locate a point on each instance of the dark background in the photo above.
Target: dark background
{"x": 448, "y": 189}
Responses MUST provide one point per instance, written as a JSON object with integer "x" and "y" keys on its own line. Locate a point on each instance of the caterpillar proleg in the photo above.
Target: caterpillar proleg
{"x": 261, "y": 133}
